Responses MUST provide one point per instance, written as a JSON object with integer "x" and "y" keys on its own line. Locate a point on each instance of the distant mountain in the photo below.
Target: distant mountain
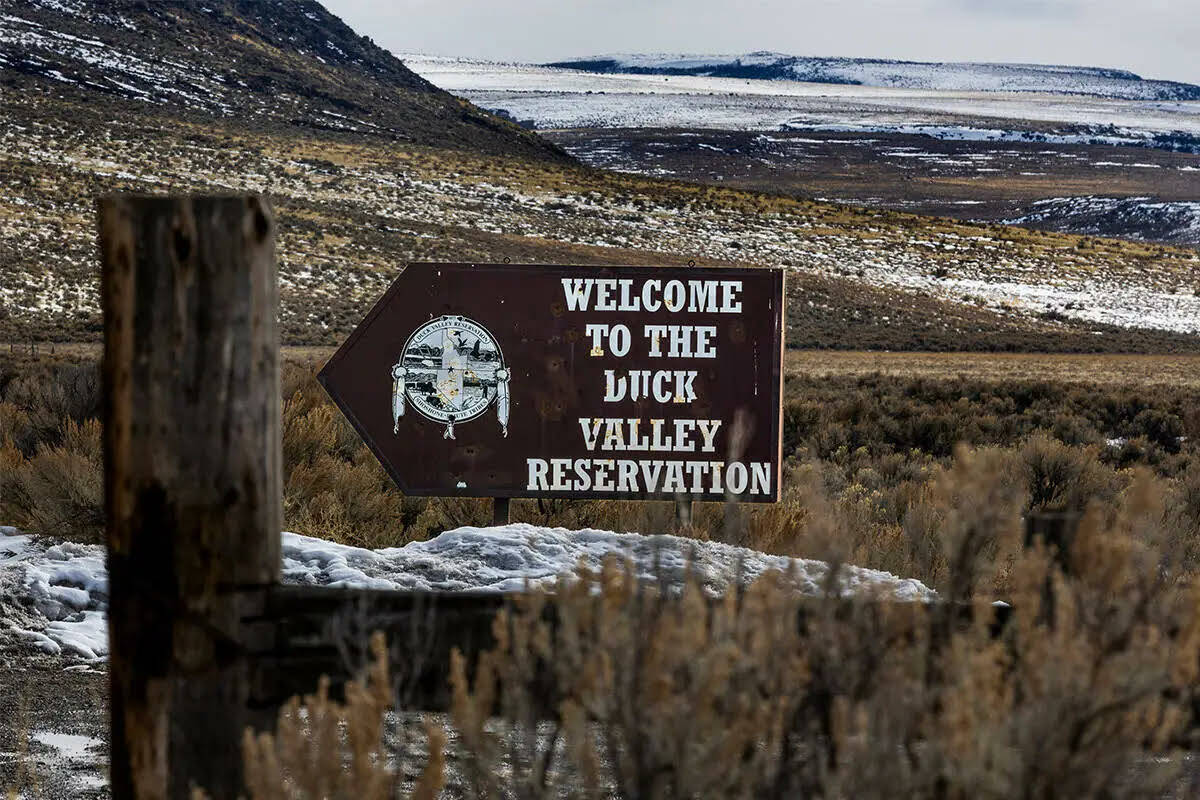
{"x": 263, "y": 63}
{"x": 1097, "y": 81}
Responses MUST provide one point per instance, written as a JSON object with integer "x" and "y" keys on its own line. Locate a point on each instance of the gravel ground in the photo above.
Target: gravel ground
{"x": 54, "y": 731}
{"x": 53, "y": 728}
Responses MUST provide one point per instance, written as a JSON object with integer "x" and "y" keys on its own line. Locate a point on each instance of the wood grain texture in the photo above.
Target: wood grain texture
{"x": 298, "y": 634}
{"x": 192, "y": 477}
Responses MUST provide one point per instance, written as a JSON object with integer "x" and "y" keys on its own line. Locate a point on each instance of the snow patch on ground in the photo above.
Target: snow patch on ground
{"x": 1116, "y": 216}
{"x": 77, "y": 758}
{"x": 73, "y": 747}
{"x": 63, "y": 591}
{"x": 54, "y": 597}
{"x": 503, "y": 559}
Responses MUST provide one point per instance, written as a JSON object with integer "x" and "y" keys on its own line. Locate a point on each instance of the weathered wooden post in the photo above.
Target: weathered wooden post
{"x": 501, "y": 511}
{"x": 192, "y": 478}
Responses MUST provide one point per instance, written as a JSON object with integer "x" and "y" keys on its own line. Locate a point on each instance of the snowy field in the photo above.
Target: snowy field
{"x": 978, "y": 266}
{"x": 562, "y": 98}
{"x": 977, "y": 77}
{"x": 54, "y": 596}
{"x": 1085, "y": 215}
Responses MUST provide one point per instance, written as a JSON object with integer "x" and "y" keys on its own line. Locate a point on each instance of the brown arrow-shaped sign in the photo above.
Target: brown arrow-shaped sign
{"x": 506, "y": 380}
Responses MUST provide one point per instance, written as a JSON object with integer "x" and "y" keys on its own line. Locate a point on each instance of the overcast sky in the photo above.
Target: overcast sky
{"x": 1155, "y": 38}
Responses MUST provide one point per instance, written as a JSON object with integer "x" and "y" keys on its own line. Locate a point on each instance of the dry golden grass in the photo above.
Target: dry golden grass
{"x": 326, "y": 750}
{"x": 1097, "y": 369}
{"x": 1091, "y": 369}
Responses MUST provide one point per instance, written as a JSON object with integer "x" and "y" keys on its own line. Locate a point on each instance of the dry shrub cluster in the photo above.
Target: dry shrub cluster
{"x": 333, "y": 486}
{"x": 60, "y": 488}
{"x": 619, "y": 688}
{"x": 51, "y": 459}
{"x": 326, "y": 750}
{"x": 51, "y": 464}
{"x": 863, "y": 459}
{"x": 830, "y": 416}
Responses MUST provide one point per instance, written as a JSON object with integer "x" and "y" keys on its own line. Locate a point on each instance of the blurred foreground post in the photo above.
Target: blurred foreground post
{"x": 192, "y": 478}
{"x": 1056, "y": 531}
{"x": 683, "y": 513}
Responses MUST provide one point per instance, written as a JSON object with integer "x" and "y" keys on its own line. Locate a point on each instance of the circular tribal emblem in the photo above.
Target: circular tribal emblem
{"x": 451, "y": 371}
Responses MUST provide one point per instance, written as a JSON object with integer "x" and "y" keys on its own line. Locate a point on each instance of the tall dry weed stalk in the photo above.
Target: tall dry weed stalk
{"x": 27, "y": 778}
{"x": 325, "y": 750}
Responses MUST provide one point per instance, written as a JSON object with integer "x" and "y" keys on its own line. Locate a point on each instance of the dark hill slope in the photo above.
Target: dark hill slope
{"x": 261, "y": 63}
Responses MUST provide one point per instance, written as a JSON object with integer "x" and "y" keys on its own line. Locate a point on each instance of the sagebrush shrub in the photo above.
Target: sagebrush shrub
{"x": 16, "y": 427}
{"x": 1084, "y": 693}
{"x": 53, "y": 394}
{"x": 325, "y": 749}
{"x": 60, "y": 490}
{"x": 1161, "y": 427}
{"x": 1061, "y": 478}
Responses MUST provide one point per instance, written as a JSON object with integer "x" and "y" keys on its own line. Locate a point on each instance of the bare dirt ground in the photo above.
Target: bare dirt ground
{"x": 54, "y": 732}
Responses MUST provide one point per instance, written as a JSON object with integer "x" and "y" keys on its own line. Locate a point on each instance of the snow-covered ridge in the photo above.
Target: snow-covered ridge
{"x": 551, "y": 97}
{"x": 55, "y": 596}
{"x": 1116, "y": 216}
{"x": 252, "y": 61}
{"x": 958, "y": 76}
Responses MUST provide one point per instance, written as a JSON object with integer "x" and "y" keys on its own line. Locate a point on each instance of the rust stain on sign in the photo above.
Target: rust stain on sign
{"x": 508, "y": 380}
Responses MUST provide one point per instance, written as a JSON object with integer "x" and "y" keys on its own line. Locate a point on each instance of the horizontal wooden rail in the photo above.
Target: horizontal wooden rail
{"x": 295, "y": 635}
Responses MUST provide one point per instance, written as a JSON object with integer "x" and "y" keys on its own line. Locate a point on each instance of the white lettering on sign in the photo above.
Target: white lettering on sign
{"x": 626, "y": 447}
{"x": 642, "y": 476}
{"x": 621, "y": 294}
{"x": 683, "y": 341}
{"x": 674, "y": 436}
{"x": 664, "y": 385}
{"x": 616, "y": 336}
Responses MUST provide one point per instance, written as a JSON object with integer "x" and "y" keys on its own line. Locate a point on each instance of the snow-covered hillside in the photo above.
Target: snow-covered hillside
{"x": 303, "y": 69}
{"x": 549, "y": 98}
{"x": 54, "y": 596}
{"x": 974, "y": 77}
{"x": 1129, "y": 217}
